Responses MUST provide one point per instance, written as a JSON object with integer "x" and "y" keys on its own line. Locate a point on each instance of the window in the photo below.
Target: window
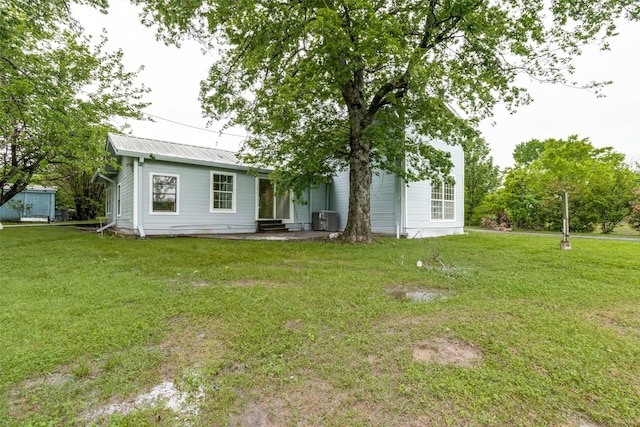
{"x": 118, "y": 201}
{"x": 107, "y": 201}
{"x": 442, "y": 201}
{"x": 164, "y": 193}
{"x": 222, "y": 192}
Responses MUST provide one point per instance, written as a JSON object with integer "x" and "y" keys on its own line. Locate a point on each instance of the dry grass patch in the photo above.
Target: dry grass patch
{"x": 447, "y": 352}
{"x": 173, "y": 365}
{"x": 625, "y": 321}
{"x": 189, "y": 344}
{"x": 312, "y": 402}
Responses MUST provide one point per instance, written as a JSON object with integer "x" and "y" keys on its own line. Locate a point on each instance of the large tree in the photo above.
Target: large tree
{"x": 481, "y": 176}
{"x": 325, "y": 85}
{"x": 57, "y": 90}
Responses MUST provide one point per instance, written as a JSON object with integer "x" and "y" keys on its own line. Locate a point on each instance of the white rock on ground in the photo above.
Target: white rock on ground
{"x": 165, "y": 394}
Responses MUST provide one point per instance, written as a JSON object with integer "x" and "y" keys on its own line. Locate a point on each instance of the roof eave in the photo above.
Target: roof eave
{"x": 149, "y": 156}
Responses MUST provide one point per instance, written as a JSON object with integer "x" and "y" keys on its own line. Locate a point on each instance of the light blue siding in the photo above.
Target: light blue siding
{"x": 384, "y": 201}
{"x": 418, "y": 221}
{"x": 396, "y": 207}
{"x": 38, "y": 202}
{"x": 312, "y": 200}
{"x": 125, "y": 180}
{"x": 385, "y": 213}
{"x": 339, "y": 198}
{"x": 194, "y": 201}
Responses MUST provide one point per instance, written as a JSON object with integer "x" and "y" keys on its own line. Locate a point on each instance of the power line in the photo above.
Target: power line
{"x": 219, "y": 132}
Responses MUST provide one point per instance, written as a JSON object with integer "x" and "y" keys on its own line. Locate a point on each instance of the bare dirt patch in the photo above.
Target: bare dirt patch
{"x": 309, "y": 403}
{"x": 579, "y": 421}
{"x": 187, "y": 344}
{"x": 317, "y": 402}
{"x": 447, "y": 352}
{"x": 175, "y": 384}
{"x": 623, "y": 327}
{"x": 293, "y": 325}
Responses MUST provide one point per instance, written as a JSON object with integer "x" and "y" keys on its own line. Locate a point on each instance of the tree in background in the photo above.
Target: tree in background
{"x": 326, "y": 86}
{"x": 634, "y": 215}
{"x": 481, "y": 176}
{"x": 527, "y": 152}
{"x": 76, "y": 190}
{"x": 56, "y": 93}
{"x": 598, "y": 181}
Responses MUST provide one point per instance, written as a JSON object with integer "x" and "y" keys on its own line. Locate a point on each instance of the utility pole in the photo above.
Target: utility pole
{"x": 565, "y": 244}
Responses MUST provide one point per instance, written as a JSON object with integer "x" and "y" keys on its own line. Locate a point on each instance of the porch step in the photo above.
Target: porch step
{"x": 270, "y": 226}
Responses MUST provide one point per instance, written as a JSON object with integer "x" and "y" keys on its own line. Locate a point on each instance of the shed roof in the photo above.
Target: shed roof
{"x": 125, "y": 145}
{"x": 36, "y": 188}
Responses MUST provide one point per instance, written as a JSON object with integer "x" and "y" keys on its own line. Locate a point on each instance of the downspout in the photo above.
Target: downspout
{"x": 403, "y": 202}
{"x": 136, "y": 199}
{"x": 113, "y": 204}
{"x": 310, "y": 210}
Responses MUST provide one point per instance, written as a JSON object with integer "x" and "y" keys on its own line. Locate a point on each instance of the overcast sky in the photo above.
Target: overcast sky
{"x": 174, "y": 75}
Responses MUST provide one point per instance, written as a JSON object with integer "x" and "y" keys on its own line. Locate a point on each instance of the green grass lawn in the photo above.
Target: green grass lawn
{"x": 310, "y": 333}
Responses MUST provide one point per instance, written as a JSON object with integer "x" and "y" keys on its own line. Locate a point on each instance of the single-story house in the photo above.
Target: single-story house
{"x": 35, "y": 203}
{"x": 166, "y": 188}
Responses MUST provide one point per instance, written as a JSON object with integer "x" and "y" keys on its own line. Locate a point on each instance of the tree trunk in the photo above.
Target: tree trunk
{"x": 358, "y": 229}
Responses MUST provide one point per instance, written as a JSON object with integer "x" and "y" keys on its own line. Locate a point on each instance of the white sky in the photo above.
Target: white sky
{"x": 174, "y": 75}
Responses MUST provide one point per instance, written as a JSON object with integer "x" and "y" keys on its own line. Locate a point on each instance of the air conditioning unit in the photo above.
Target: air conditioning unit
{"x": 325, "y": 221}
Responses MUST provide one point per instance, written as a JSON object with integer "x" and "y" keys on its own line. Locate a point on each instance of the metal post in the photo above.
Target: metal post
{"x": 565, "y": 244}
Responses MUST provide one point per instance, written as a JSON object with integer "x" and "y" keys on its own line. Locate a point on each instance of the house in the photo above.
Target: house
{"x": 165, "y": 188}
{"x": 33, "y": 204}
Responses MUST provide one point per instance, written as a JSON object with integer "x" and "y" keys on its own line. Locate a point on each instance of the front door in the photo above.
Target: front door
{"x": 270, "y": 204}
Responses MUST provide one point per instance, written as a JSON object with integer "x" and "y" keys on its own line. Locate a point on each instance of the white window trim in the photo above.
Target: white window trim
{"x": 151, "y": 211}
{"x": 443, "y": 201}
{"x": 233, "y": 194}
{"x": 291, "y": 218}
{"x": 119, "y": 200}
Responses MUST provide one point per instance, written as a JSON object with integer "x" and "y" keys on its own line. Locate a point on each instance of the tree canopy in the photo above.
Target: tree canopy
{"x": 599, "y": 182}
{"x": 57, "y": 92}
{"x": 481, "y": 176}
{"x": 330, "y": 85}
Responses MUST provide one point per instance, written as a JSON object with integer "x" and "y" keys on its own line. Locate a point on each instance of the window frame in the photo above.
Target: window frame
{"x": 442, "y": 192}
{"x": 233, "y": 191}
{"x": 177, "y": 209}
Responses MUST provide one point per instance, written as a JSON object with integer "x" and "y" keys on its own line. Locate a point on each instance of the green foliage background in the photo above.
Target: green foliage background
{"x": 598, "y": 180}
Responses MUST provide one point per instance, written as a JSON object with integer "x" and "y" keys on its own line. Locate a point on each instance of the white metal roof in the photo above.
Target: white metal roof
{"x": 125, "y": 145}
{"x": 52, "y": 189}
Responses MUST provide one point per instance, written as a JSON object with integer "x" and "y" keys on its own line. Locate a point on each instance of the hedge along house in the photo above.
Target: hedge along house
{"x": 165, "y": 188}
{"x": 33, "y": 204}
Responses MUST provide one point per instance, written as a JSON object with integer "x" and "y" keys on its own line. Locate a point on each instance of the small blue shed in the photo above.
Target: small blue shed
{"x": 35, "y": 203}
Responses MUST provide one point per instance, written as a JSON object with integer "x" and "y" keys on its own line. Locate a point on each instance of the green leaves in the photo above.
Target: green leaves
{"x": 597, "y": 179}
{"x": 321, "y": 84}
{"x": 57, "y": 93}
